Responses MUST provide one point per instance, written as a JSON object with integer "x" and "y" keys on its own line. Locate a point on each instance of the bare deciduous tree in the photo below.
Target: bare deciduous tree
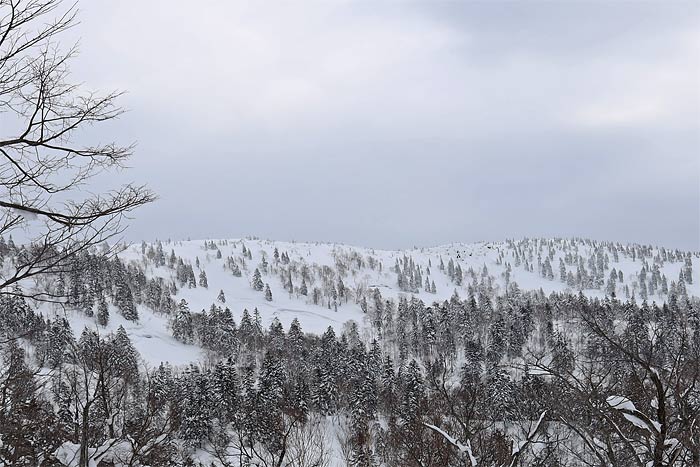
{"x": 309, "y": 445}
{"x": 43, "y": 168}
{"x": 630, "y": 397}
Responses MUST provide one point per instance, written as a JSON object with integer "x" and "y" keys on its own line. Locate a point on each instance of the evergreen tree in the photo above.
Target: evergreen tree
{"x": 289, "y": 286}
{"x": 562, "y": 270}
{"x": 191, "y": 282}
{"x": 123, "y": 298}
{"x": 203, "y": 279}
{"x": 226, "y": 387}
{"x": 688, "y": 271}
{"x": 458, "y": 275}
{"x": 611, "y": 285}
{"x": 181, "y": 323}
{"x": 125, "y": 356}
{"x": 341, "y": 288}
{"x": 295, "y": 338}
{"x": 196, "y": 407}
{"x": 497, "y": 339}
{"x": 387, "y": 391}
{"x": 59, "y": 339}
{"x": 102, "y": 311}
{"x": 413, "y": 392}
{"x": 499, "y": 393}
{"x": 246, "y": 330}
{"x": 268, "y": 416}
{"x": 257, "y": 282}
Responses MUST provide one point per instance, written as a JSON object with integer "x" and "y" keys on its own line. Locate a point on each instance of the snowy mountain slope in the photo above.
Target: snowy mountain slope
{"x": 363, "y": 269}
{"x": 326, "y": 284}
{"x": 396, "y": 321}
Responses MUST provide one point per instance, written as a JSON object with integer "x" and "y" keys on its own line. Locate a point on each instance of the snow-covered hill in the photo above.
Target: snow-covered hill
{"x": 327, "y": 284}
{"x": 323, "y": 269}
{"x": 239, "y": 309}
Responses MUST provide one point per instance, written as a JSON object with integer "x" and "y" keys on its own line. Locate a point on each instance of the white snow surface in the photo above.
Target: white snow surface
{"x": 150, "y": 336}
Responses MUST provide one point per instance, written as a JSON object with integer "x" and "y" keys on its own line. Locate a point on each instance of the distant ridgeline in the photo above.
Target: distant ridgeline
{"x": 532, "y": 352}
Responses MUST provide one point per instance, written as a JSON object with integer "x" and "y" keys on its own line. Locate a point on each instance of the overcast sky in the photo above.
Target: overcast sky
{"x": 393, "y": 124}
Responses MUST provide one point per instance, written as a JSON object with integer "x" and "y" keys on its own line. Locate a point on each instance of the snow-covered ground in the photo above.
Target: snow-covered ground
{"x": 150, "y": 335}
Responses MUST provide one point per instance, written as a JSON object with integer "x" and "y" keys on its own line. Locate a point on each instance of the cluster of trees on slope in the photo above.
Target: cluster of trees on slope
{"x": 582, "y": 265}
{"x": 93, "y": 281}
{"x": 185, "y": 274}
{"x": 587, "y": 264}
{"x": 521, "y": 380}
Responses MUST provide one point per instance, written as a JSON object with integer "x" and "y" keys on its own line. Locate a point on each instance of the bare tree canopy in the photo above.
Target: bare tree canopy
{"x": 43, "y": 166}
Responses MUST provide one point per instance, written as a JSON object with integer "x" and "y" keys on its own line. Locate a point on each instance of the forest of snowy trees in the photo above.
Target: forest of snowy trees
{"x": 488, "y": 379}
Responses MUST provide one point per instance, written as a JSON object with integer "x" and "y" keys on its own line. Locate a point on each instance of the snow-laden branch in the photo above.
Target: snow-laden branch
{"x": 627, "y": 408}
{"x": 520, "y": 447}
{"x": 463, "y": 448}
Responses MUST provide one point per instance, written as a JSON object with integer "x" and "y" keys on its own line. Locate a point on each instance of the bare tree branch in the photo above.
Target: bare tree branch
{"x": 42, "y": 165}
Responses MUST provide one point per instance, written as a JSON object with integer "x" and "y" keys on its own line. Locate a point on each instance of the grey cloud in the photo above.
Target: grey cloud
{"x": 399, "y": 124}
